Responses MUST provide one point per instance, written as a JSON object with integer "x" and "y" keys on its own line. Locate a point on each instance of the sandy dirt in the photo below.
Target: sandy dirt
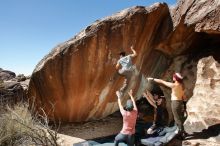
{"x": 65, "y": 140}
{"x": 94, "y": 129}
{"x": 111, "y": 125}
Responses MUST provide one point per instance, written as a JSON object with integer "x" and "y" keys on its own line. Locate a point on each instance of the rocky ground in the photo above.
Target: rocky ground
{"x": 66, "y": 140}
{"x": 110, "y": 125}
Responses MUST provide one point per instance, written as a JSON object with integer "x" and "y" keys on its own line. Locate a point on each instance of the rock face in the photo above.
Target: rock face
{"x": 77, "y": 76}
{"x": 195, "y": 35}
{"x": 195, "y": 22}
{"x": 204, "y": 106}
{"x": 203, "y": 14}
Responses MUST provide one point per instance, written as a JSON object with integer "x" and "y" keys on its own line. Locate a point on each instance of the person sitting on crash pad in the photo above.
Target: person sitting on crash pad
{"x": 129, "y": 114}
{"x": 156, "y": 101}
{"x": 177, "y": 98}
{"x": 126, "y": 70}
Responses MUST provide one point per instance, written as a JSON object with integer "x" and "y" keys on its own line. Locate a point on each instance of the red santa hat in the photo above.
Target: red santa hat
{"x": 178, "y": 77}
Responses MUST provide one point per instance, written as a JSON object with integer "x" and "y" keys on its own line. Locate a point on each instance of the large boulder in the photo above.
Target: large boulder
{"x": 78, "y": 78}
{"x": 204, "y": 106}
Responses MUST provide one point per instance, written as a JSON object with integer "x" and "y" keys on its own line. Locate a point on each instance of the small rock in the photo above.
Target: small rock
{"x": 21, "y": 77}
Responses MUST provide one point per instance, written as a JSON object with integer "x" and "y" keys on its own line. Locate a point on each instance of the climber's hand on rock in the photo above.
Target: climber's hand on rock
{"x": 150, "y": 79}
{"x": 130, "y": 92}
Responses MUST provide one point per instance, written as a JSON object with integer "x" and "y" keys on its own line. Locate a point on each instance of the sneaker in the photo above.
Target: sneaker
{"x": 182, "y": 135}
{"x": 152, "y": 129}
{"x": 119, "y": 94}
{"x": 177, "y": 131}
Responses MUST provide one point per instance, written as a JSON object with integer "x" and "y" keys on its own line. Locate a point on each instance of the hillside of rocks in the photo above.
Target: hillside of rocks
{"x": 13, "y": 88}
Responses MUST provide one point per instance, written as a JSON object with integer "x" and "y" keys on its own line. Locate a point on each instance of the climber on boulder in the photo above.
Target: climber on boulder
{"x": 177, "y": 98}
{"x": 129, "y": 114}
{"x": 126, "y": 69}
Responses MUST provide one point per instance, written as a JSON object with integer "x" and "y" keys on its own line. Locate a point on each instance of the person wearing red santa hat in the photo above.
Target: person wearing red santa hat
{"x": 177, "y": 98}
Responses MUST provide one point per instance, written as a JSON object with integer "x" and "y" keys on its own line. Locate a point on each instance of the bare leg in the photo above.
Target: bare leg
{"x": 127, "y": 75}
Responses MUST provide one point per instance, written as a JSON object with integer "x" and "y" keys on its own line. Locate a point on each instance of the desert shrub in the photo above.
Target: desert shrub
{"x": 20, "y": 126}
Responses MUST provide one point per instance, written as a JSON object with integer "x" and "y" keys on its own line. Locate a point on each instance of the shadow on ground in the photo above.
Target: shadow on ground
{"x": 212, "y": 131}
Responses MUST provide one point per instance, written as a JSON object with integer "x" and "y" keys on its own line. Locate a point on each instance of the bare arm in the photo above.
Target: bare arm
{"x": 167, "y": 84}
{"x": 155, "y": 116}
{"x": 134, "y": 53}
{"x": 132, "y": 99}
{"x": 117, "y": 66}
{"x": 150, "y": 99}
{"x": 120, "y": 106}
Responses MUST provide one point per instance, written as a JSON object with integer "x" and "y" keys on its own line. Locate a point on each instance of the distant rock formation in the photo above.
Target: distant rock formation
{"x": 13, "y": 88}
{"x": 76, "y": 77}
{"x": 6, "y": 75}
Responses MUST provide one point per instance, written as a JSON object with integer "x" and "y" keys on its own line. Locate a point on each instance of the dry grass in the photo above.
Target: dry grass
{"x": 20, "y": 126}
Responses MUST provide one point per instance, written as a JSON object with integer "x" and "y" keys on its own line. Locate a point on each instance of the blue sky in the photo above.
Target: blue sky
{"x": 29, "y": 29}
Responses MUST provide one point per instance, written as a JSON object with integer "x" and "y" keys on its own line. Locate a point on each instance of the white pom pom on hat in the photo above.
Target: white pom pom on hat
{"x": 178, "y": 75}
